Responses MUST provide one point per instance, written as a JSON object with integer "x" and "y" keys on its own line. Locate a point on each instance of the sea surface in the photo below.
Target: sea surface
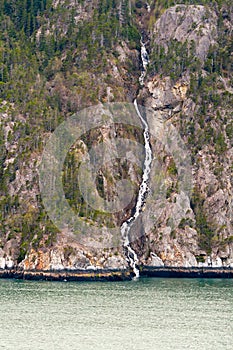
{"x": 147, "y": 314}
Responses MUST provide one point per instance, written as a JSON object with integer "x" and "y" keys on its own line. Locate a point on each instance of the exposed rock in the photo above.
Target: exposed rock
{"x": 115, "y": 262}
{"x": 6, "y": 261}
{"x": 191, "y": 23}
{"x": 171, "y": 232}
{"x": 155, "y": 260}
{"x": 175, "y": 238}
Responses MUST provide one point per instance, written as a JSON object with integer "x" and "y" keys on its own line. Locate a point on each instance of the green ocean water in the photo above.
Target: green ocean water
{"x": 151, "y": 314}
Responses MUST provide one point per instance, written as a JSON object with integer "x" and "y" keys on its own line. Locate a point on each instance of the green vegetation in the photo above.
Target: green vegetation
{"x": 105, "y": 181}
{"x": 186, "y": 222}
{"x": 205, "y": 229}
{"x": 53, "y": 62}
{"x": 179, "y": 58}
{"x": 172, "y": 169}
{"x": 168, "y": 3}
{"x": 210, "y": 125}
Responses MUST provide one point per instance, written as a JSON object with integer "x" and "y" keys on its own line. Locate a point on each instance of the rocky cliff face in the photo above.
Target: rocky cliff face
{"x": 83, "y": 56}
{"x": 201, "y": 227}
{"x": 75, "y": 55}
{"x": 187, "y": 23}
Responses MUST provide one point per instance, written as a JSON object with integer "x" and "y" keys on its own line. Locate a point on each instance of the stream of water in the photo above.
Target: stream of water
{"x": 126, "y": 226}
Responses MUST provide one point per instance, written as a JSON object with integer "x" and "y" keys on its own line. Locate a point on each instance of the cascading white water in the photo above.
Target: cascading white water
{"x": 145, "y": 62}
{"x": 148, "y": 7}
{"x": 125, "y": 228}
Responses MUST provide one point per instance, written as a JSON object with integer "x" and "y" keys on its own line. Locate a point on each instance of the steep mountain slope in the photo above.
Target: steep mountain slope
{"x": 58, "y": 57}
{"x": 189, "y": 85}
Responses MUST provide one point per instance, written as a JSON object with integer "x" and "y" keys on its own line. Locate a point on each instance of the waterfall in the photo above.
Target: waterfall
{"x": 143, "y": 190}
{"x": 145, "y": 61}
{"x": 148, "y": 7}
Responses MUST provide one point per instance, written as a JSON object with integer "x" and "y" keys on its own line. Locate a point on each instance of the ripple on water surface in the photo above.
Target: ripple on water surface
{"x": 151, "y": 314}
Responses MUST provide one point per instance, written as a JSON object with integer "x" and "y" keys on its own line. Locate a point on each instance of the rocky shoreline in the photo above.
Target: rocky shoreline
{"x": 117, "y": 274}
{"x": 187, "y": 272}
